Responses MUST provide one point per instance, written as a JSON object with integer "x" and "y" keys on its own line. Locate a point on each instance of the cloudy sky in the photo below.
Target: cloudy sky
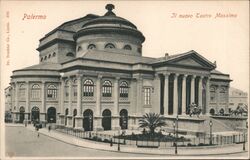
{"x": 224, "y": 40}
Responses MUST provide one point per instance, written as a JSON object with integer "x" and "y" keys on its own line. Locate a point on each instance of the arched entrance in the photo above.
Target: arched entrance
{"x": 124, "y": 119}
{"x": 106, "y": 120}
{"x": 21, "y": 116}
{"x": 221, "y": 111}
{"x": 66, "y": 113}
{"x": 74, "y": 120}
{"x": 88, "y": 120}
{"x": 51, "y": 115}
{"x": 35, "y": 114}
{"x": 212, "y": 111}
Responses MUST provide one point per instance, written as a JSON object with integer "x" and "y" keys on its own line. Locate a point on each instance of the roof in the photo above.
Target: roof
{"x": 116, "y": 57}
{"x": 44, "y": 66}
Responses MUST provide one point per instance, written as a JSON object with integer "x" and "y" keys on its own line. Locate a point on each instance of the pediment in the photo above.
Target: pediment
{"x": 192, "y": 59}
{"x": 189, "y": 62}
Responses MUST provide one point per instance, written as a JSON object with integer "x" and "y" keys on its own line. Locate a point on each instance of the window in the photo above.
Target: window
{"x": 54, "y": 54}
{"x": 49, "y": 55}
{"x": 52, "y": 91}
{"x": 147, "y": 96}
{"x": 41, "y": 59}
{"x": 66, "y": 88}
{"x": 91, "y": 46}
{"x": 124, "y": 89}
{"x": 212, "y": 94}
{"x": 79, "y": 48}
{"x": 35, "y": 91}
{"x": 110, "y": 46}
{"x": 223, "y": 95}
{"x": 107, "y": 89}
{"x": 88, "y": 88}
{"x": 22, "y": 91}
{"x": 70, "y": 54}
{"x": 45, "y": 58}
{"x": 75, "y": 89}
{"x": 127, "y": 47}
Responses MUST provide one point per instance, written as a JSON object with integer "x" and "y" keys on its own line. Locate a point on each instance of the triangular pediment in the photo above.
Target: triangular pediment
{"x": 190, "y": 62}
{"x": 189, "y": 59}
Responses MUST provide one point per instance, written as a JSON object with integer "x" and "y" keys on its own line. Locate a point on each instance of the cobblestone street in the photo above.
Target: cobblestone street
{"x": 21, "y": 142}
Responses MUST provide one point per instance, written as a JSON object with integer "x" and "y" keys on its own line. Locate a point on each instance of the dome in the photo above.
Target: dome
{"x": 110, "y": 23}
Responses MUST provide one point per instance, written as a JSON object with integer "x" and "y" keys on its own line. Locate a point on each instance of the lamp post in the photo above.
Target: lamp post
{"x": 210, "y": 124}
{"x": 175, "y": 137}
{"x": 118, "y": 146}
{"x": 244, "y": 137}
{"x": 177, "y": 118}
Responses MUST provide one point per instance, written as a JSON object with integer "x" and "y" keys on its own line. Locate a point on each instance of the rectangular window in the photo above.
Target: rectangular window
{"x": 22, "y": 94}
{"x": 35, "y": 93}
{"x": 147, "y": 96}
{"x": 123, "y": 92}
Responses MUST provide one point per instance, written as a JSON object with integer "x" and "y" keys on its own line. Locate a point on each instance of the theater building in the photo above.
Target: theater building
{"x": 92, "y": 75}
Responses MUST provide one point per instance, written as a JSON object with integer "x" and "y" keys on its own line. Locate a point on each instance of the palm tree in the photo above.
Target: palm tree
{"x": 151, "y": 121}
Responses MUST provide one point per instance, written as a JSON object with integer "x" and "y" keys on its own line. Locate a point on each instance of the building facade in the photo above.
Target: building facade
{"x": 92, "y": 76}
{"x": 237, "y": 98}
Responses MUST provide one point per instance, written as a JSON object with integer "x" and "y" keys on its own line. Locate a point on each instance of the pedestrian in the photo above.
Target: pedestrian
{"x": 49, "y": 128}
{"x": 37, "y": 134}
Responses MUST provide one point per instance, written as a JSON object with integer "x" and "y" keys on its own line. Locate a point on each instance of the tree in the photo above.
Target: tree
{"x": 152, "y": 121}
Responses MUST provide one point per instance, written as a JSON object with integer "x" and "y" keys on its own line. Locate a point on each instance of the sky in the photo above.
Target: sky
{"x": 224, "y": 40}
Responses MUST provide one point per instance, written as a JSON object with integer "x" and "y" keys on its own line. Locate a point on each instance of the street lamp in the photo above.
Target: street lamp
{"x": 175, "y": 135}
{"x": 210, "y": 124}
{"x": 118, "y": 140}
{"x": 177, "y": 118}
{"x": 244, "y": 138}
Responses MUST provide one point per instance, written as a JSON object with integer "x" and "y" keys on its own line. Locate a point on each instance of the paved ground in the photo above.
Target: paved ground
{"x": 22, "y": 142}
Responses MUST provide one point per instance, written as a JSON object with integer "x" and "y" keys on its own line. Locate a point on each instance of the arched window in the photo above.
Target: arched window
{"x": 127, "y": 47}
{"x": 91, "y": 46}
{"x": 124, "y": 89}
{"x": 52, "y": 91}
{"x": 49, "y": 55}
{"x": 22, "y": 91}
{"x": 79, "y": 49}
{"x": 110, "y": 46}
{"x": 54, "y": 54}
{"x": 107, "y": 89}
{"x": 35, "y": 91}
{"x": 45, "y": 58}
{"x": 88, "y": 88}
{"x": 41, "y": 59}
{"x": 70, "y": 54}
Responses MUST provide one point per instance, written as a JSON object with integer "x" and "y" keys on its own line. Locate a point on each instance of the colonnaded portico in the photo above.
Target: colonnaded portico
{"x": 181, "y": 90}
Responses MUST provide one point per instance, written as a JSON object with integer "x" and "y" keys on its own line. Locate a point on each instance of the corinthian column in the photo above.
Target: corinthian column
{"x": 207, "y": 95}
{"x": 175, "y": 101}
{"x": 192, "y": 89}
{"x": 184, "y": 82}
{"x": 200, "y": 94}
{"x": 166, "y": 95}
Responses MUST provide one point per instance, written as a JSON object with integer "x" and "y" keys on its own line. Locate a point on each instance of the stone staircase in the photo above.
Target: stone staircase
{"x": 217, "y": 126}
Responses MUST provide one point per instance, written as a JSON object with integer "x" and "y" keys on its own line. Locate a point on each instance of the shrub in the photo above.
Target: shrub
{"x": 106, "y": 141}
